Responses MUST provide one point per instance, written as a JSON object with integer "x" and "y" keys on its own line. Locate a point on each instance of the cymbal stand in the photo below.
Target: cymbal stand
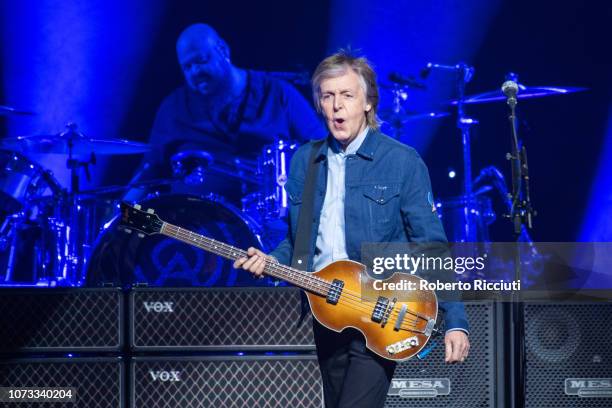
{"x": 70, "y": 270}
{"x": 464, "y": 74}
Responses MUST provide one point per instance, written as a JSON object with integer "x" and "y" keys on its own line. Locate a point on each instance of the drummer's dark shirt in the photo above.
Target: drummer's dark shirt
{"x": 268, "y": 110}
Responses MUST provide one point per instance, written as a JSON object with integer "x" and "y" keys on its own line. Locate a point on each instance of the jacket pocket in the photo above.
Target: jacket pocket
{"x": 382, "y": 206}
{"x": 381, "y": 193}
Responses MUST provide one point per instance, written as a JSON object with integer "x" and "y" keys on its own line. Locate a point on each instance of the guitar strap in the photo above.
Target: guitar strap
{"x": 303, "y": 233}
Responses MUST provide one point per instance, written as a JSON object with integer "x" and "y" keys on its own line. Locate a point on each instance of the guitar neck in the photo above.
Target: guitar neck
{"x": 294, "y": 276}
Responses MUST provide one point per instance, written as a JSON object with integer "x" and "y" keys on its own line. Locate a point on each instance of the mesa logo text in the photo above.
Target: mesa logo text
{"x": 419, "y": 387}
{"x": 589, "y": 387}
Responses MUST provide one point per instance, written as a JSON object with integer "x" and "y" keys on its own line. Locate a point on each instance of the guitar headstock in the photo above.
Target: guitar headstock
{"x": 134, "y": 218}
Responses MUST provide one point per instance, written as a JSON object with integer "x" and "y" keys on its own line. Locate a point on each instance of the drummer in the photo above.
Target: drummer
{"x": 226, "y": 111}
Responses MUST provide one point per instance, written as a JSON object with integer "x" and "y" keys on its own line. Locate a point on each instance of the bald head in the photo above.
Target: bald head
{"x": 204, "y": 58}
{"x": 198, "y": 35}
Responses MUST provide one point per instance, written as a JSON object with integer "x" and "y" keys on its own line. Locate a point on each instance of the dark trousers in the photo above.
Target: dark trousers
{"x": 353, "y": 376}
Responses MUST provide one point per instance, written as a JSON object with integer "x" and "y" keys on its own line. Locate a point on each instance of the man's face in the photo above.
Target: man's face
{"x": 344, "y": 106}
{"x": 205, "y": 66}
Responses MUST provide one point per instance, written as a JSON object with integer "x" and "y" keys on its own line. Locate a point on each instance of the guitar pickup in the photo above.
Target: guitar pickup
{"x": 379, "y": 310}
{"x": 333, "y": 295}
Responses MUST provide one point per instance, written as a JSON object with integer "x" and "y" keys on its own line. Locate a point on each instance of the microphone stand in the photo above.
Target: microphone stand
{"x": 521, "y": 214}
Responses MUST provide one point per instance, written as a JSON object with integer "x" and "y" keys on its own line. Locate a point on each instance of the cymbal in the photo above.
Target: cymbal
{"x": 402, "y": 117}
{"x": 525, "y": 92}
{"x": 9, "y": 111}
{"x": 64, "y": 143}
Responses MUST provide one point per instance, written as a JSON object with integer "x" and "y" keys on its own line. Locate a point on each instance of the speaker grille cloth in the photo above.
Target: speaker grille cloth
{"x": 471, "y": 382}
{"x": 50, "y": 320}
{"x": 220, "y": 318}
{"x": 98, "y": 383}
{"x": 566, "y": 341}
{"x": 273, "y": 382}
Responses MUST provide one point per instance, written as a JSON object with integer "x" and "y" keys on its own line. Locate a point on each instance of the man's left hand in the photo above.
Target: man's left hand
{"x": 457, "y": 346}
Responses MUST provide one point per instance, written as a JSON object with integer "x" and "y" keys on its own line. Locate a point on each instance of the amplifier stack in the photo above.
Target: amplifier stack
{"x": 80, "y": 333}
{"x": 235, "y": 347}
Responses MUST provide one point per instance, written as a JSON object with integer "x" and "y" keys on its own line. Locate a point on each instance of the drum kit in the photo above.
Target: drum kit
{"x": 51, "y": 235}
{"x": 467, "y": 217}
{"x": 56, "y": 236}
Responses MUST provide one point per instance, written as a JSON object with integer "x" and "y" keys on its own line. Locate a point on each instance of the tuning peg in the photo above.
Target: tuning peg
{"x": 127, "y": 230}
{"x": 137, "y": 206}
{"x": 141, "y": 235}
{"x": 150, "y": 211}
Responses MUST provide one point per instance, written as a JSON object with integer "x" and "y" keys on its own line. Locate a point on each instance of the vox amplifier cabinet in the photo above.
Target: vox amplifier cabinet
{"x": 69, "y": 382}
{"x": 226, "y": 381}
{"x": 164, "y": 319}
{"x": 48, "y": 319}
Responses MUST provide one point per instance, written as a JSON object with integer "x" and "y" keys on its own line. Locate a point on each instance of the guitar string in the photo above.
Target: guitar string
{"x": 227, "y": 250}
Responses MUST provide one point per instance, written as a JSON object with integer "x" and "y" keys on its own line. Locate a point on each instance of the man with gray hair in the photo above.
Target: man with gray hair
{"x": 370, "y": 188}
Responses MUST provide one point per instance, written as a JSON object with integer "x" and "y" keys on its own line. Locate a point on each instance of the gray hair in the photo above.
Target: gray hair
{"x": 336, "y": 65}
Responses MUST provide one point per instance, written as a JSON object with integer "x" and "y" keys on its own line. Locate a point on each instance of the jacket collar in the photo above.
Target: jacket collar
{"x": 366, "y": 150}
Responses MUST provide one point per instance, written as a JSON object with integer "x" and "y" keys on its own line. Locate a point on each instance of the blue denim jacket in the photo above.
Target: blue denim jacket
{"x": 388, "y": 199}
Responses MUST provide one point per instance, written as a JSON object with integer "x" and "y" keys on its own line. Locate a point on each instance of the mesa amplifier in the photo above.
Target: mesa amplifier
{"x": 431, "y": 382}
{"x": 230, "y": 381}
{"x": 48, "y": 319}
{"x": 568, "y": 353}
{"x": 218, "y": 319}
{"x": 92, "y": 382}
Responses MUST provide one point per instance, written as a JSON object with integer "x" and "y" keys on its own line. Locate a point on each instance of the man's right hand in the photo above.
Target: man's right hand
{"x": 254, "y": 262}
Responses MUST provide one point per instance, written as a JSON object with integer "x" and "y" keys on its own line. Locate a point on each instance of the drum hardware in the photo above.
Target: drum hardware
{"x": 240, "y": 169}
{"x": 22, "y": 180}
{"x": 407, "y": 81}
{"x": 271, "y": 201}
{"x": 72, "y": 143}
{"x": 525, "y": 92}
{"x": 190, "y": 165}
{"x": 109, "y": 191}
{"x": 464, "y": 74}
{"x": 26, "y": 189}
{"x": 60, "y": 224}
{"x": 398, "y": 116}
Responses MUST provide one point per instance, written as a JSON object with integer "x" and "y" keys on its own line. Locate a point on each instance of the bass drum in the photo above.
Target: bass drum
{"x": 157, "y": 260}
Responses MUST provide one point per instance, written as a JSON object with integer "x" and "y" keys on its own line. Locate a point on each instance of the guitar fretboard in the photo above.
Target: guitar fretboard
{"x": 294, "y": 276}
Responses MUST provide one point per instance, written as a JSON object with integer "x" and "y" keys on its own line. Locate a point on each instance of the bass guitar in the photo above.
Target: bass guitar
{"x": 393, "y": 329}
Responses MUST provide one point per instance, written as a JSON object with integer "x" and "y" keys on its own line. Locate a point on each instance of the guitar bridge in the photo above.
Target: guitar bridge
{"x": 402, "y": 345}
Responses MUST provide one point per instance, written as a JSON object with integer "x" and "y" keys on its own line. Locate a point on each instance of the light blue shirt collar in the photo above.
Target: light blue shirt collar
{"x": 353, "y": 146}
